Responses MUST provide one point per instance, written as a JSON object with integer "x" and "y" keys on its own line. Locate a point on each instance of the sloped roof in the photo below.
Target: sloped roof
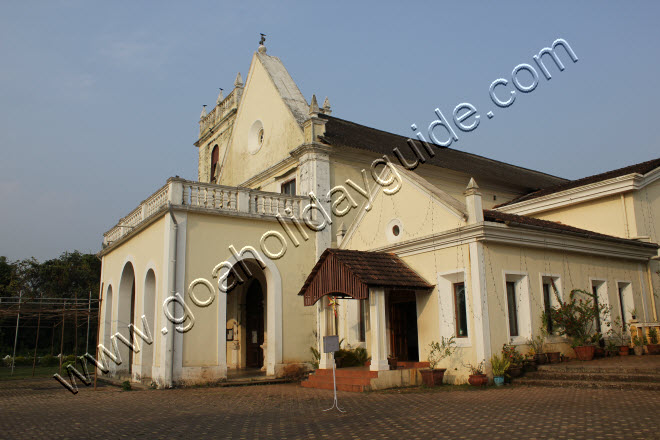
{"x": 523, "y": 220}
{"x": 286, "y": 87}
{"x": 639, "y": 168}
{"x": 343, "y": 272}
{"x": 342, "y": 133}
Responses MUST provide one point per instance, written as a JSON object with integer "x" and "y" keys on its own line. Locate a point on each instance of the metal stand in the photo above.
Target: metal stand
{"x": 334, "y": 385}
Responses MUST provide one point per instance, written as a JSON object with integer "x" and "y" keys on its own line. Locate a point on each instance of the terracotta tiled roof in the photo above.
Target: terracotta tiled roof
{"x": 344, "y": 272}
{"x": 640, "y": 168}
{"x": 523, "y": 220}
{"x": 342, "y": 133}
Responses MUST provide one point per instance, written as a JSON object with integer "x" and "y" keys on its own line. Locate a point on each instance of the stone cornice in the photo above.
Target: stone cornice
{"x": 269, "y": 172}
{"x": 489, "y": 232}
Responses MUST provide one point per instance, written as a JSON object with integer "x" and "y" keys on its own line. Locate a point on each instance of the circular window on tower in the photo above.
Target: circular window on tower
{"x": 394, "y": 230}
{"x": 255, "y": 137}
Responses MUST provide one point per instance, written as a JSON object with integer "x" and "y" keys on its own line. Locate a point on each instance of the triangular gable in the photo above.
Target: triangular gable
{"x": 420, "y": 207}
{"x": 273, "y": 104}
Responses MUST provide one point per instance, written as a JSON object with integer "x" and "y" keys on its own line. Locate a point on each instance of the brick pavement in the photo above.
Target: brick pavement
{"x": 43, "y": 409}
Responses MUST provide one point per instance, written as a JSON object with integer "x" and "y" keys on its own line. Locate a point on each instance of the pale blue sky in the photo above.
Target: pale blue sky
{"x": 100, "y": 100}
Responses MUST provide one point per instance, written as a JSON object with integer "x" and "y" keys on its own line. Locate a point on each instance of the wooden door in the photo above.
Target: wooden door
{"x": 254, "y": 305}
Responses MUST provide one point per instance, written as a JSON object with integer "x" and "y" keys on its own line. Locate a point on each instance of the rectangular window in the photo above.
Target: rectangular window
{"x": 289, "y": 188}
{"x": 622, "y": 303}
{"x": 460, "y": 310}
{"x": 547, "y": 305}
{"x": 594, "y": 291}
{"x": 512, "y": 308}
{"x": 363, "y": 321}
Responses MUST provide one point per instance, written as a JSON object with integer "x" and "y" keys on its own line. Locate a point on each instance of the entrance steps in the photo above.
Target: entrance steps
{"x": 361, "y": 379}
{"x": 596, "y": 374}
{"x": 348, "y": 379}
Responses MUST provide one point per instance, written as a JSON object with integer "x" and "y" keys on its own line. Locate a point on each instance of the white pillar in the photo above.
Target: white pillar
{"x": 378, "y": 329}
{"x": 222, "y": 333}
{"x": 327, "y": 360}
{"x": 480, "y": 303}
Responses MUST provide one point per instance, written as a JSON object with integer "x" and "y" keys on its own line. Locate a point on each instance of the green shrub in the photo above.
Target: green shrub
{"x": 355, "y": 357}
{"x": 126, "y": 385}
{"x": 48, "y": 361}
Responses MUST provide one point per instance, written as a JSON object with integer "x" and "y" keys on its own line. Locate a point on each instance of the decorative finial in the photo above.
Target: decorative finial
{"x": 326, "y": 107}
{"x": 262, "y": 47}
{"x": 220, "y": 97}
{"x": 472, "y": 184}
{"x": 203, "y": 112}
{"x": 239, "y": 80}
{"x": 314, "y": 107}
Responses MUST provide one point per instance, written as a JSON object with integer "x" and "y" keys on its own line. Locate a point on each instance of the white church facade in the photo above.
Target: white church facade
{"x": 234, "y": 271}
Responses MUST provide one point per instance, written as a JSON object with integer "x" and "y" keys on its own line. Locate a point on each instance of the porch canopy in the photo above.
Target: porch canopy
{"x": 348, "y": 273}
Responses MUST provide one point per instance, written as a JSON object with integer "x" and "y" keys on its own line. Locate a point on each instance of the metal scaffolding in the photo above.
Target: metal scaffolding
{"x": 56, "y": 312}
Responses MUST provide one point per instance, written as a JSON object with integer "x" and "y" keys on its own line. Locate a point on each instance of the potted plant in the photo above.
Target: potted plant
{"x": 576, "y": 318}
{"x": 511, "y": 354}
{"x": 653, "y": 347}
{"x": 500, "y": 365}
{"x": 619, "y": 334}
{"x": 638, "y": 344}
{"x": 433, "y": 376}
{"x": 536, "y": 350}
{"x": 477, "y": 377}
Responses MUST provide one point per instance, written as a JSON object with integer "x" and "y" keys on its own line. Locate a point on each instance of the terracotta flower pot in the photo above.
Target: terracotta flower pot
{"x": 515, "y": 371}
{"x": 653, "y": 348}
{"x": 639, "y": 350}
{"x": 585, "y": 352}
{"x": 624, "y": 350}
{"x": 432, "y": 378}
{"x": 554, "y": 357}
{"x": 478, "y": 380}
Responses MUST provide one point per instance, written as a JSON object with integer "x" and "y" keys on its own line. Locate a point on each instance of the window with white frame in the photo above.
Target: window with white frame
{"x": 518, "y": 307}
{"x": 454, "y": 310}
{"x": 551, "y": 291}
{"x": 601, "y": 300}
{"x": 626, "y": 303}
{"x": 460, "y": 310}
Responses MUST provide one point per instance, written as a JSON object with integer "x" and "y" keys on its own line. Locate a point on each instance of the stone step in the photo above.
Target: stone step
{"x": 347, "y": 372}
{"x": 591, "y": 376}
{"x": 586, "y": 367}
{"x": 343, "y": 380}
{"x": 525, "y": 381}
{"x": 329, "y": 386}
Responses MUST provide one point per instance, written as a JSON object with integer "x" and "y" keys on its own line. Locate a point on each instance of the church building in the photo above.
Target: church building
{"x": 302, "y": 224}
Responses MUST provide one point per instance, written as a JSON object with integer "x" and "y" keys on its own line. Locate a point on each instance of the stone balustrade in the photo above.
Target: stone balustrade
{"x": 218, "y": 112}
{"x": 207, "y": 196}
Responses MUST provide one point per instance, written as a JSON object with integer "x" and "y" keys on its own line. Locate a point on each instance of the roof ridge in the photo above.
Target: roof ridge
{"x": 576, "y": 183}
{"x": 329, "y": 117}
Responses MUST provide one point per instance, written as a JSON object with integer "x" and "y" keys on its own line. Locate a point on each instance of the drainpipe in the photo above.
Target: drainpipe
{"x": 169, "y": 372}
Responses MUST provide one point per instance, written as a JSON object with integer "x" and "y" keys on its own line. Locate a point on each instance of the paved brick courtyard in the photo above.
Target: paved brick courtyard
{"x": 43, "y": 409}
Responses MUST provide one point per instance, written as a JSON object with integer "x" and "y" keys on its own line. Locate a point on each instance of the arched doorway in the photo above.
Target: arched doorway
{"x": 254, "y": 325}
{"x": 125, "y": 317}
{"x": 148, "y": 307}
{"x": 107, "y": 321}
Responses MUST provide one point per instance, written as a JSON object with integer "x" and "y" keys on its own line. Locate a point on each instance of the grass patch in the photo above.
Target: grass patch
{"x": 26, "y": 372}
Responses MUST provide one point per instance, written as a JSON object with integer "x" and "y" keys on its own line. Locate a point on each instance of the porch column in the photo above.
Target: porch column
{"x": 326, "y": 360}
{"x": 378, "y": 329}
{"x": 222, "y": 334}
